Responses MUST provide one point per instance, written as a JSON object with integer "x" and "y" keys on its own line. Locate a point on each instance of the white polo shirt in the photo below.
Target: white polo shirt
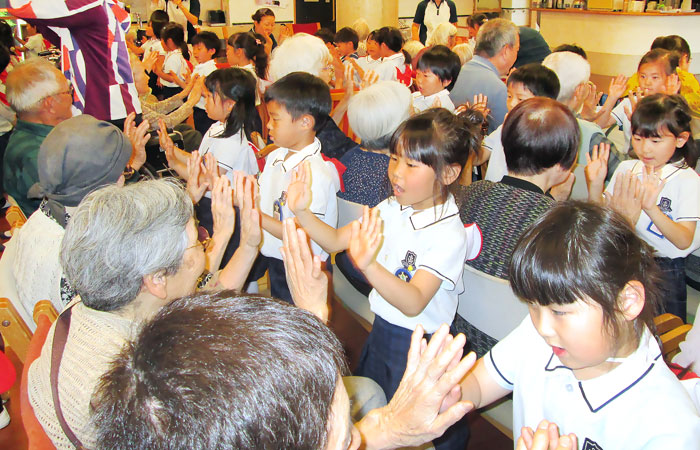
{"x": 431, "y": 239}
{"x": 174, "y": 62}
{"x": 203, "y": 70}
{"x": 233, "y": 153}
{"x": 623, "y": 121}
{"x": 421, "y": 103}
{"x": 367, "y": 63}
{"x": 152, "y": 45}
{"x": 638, "y": 405}
{"x": 434, "y": 16}
{"x": 498, "y": 168}
{"x": 679, "y": 199}
{"x": 391, "y": 65}
{"x": 273, "y": 183}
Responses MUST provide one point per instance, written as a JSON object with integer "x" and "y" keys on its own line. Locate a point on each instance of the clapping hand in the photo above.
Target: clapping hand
{"x": 365, "y": 238}
{"x": 244, "y": 198}
{"x": 196, "y": 186}
{"x": 223, "y": 214}
{"x": 299, "y": 189}
{"x": 138, "y": 136}
{"x": 546, "y": 437}
{"x": 597, "y": 167}
{"x": 617, "y": 87}
{"x": 627, "y": 196}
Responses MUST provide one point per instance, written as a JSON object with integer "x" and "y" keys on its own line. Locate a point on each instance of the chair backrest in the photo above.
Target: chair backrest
{"x": 15, "y": 217}
{"x": 45, "y": 315}
{"x": 488, "y": 303}
{"x": 337, "y": 96}
{"x": 15, "y": 331}
{"x": 309, "y": 28}
{"x": 348, "y": 211}
{"x": 672, "y": 332}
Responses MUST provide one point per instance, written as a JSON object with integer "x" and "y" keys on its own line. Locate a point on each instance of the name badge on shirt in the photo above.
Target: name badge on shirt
{"x": 665, "y": 207}
{"x": 408, "y": 268}
{"x": 277, "y": 206}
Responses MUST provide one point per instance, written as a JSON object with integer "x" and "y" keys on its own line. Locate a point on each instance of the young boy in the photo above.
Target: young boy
{"x": 297, "y": 104}
{"x": 530, "y": 80}
{"x": 436, "y": 73}
{"x": 346, "y": 41}
{"x": 34, "y": 43}
{"x": 205, "y": 45}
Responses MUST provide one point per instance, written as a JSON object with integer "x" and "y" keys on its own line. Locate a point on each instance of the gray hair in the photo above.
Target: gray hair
{"x": 30, "y": 82}
{"x": 572, "y": 71}
{"x": 494, "y": 35}
{"x": 441, "y": 35}
{"x": 413, "y": 47}
{"x": 361, "y": 28}
{"x": 299, "y": 53}
{"x": 376, "y": 112}
{"x": 464, "y": 51}
{"x": 120, "y": 234}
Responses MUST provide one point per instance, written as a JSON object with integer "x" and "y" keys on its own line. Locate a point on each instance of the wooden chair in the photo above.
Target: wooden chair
{"x": 44, "y": 315}
{"x": 337, "y": 96}
{"x": 672, "y": 332}
{"x": 309, "y": 28}
{"x": 15, "y": 217}
{"x": 15, "y": 331}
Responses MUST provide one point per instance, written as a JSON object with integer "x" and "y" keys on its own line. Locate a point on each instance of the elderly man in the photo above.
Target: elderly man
{"x": 497, "y": 46}
{"x": 126, "y": 251}
{"x": 42, "y": 98}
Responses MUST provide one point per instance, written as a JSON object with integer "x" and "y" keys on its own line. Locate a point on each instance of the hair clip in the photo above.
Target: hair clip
{"x": 257, "y": 41}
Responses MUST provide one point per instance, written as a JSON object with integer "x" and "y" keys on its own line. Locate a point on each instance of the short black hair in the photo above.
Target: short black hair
{"x": 669, "y": 59}
{"x": 672, "y": 43}
{"x": 223, "y": 370}
{"x": 302, "y": 93}
{"x": 573, "y": 48}
{"x": 477, "y": 19}
{"x": 158, "y": 20}
{"x": 326, "y": 35}
{"x": 4, "y": 58}
{"x": 540, "y": 133}
{"x": 210, "y": 40}
{"x": 441, "y": 61}
{"x": 347, "y": 34}
{"x": 538, "y": 79}
{"x": 390, "y": 36}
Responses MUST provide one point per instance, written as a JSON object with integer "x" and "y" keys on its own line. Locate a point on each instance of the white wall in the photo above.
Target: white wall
{"x": 407, "y": 8}
{"x": 241, "y": 10}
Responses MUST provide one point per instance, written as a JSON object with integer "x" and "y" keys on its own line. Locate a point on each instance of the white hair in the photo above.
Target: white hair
{"x": 299, "y": 53}
{"x": 376, "y": 112}
{"x": 571, "y": 69}
{"x": 413, "y": 47}
{"x": 361, "y": 28}
{"x": 441, "y": 34}
{"x": 464, "y": 51}
{"x": 30, "y": 82}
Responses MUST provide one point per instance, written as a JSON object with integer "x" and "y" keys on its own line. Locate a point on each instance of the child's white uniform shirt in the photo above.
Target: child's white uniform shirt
{"x": 273, "y": 183}
{"x": 679, "y": 199}
{"x": 203, "y": 69}
{"x": 433, "y": 239}
{"x": 421, "y": 103}
{"x": 638, "y": 405}
{"x": 387, "y": 70}
{"x": 251, "y": 68}
{"x": 152, "y": 45}
{"x": 498, "y": 168}
{"x": 35, "y": 44}
{"x": 233, "y": 153}
{"x": 175, "y": 62}
{"x": 367, "y": 63}
{"x": 623, "y": 121}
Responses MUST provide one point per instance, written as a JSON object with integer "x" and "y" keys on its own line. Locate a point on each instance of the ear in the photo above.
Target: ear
{"x": 307, "y": 121}
{"x": 156, "y": 284}
{"x": 450, "y": 174}
{"x": 632, "y": 300}
{"x": 229, "y": 104}
{"x": 446, "y": 83}
{"x": 682, "y": 138}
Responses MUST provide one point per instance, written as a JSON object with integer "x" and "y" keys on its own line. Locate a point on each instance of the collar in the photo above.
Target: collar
{"x": 601, "y": 391}
{"x": 431, "y": 98}
{"x": 443, "y": 2}
{"x": 211, "y": 62}
{"x": 398, "y": 55}
{"x": 521, "y": 184}
{"x": 430, "y": 216}
{"x": 352, "y": 55}
{"x": 481, "y": 61}
{"x": 667, "y": 171}
{"x": 297, "y": 157}
{"x": 38, "y": 129}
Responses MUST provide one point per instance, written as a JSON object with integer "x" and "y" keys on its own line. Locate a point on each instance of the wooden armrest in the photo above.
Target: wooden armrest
{"x": 44, "y": 307}
{"x": 666, "y": 322}
{"x": 15, "y": 332}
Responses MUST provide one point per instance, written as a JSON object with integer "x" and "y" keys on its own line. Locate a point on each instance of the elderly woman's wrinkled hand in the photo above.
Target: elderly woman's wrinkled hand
{"x": 307, "y": 283}
{"x": 426, "y": 402}
{"x": 223, "y": 214}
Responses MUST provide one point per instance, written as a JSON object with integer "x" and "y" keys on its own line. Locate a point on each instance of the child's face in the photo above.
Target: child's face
{"x": 284, "y": 130}
{"x": 652, "y": 78}
{"x": 517, "y": 93}
{"x": 345, "y": 48}
{"x": 413, "y": 182}
{"x": 217, "y": 109}
{"x": 655, "y": 152}
{"x": 576, "y": 333}
{"x": 373, "y": 49}
{"x": 429, "y": 83}
{"x": 202, "y": 53}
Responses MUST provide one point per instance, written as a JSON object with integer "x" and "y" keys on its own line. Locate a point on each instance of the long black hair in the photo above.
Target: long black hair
{"x": 238, "y": 85}
{"x": 176, "y": 33}
{"x": 253, "y": 45}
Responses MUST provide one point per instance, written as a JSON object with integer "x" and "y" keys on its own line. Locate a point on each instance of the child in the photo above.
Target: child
{"x": 657, "y": 75}
{"x": 174, "y": 71}
{"x": 346, "y": 41}
{"x": 298, "y": 105}
{"x": 247, "y": 51}
{"x": 396, "y": 64}
{"x": 530, "y": 80}
{"x": 34, "y": 43}
{"x": 436, "y": 73}
{"x": 586, "y": 355}
{"x": 205, "y": 45}
{"x": 417, "y": 273}
{"x": 156, "y": 22}
{"x": 373, "y": 58}
{"x": 666, "y": 210}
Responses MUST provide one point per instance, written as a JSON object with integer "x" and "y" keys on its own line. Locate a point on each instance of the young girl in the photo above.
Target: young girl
{"x": 373, "y": 58}
{"x": 667, "y": 208}
{"x": 396, "y": 63}
{"x": 174, "y": 71}
{"x": 586, "y": 356}
{"x": 247, "y": 51}
{"x": 416, "y": 275}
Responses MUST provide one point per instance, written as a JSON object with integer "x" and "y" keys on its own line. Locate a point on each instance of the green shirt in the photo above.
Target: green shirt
{"x": 20, "y": 162}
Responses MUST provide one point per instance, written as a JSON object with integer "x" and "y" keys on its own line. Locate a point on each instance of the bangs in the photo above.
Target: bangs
{"x": 649, "y": 120}
{"x": 415, "y": 139}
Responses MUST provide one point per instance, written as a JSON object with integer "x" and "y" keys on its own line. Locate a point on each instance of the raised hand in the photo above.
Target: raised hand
{"x": 138, "y": 136}
{"x": 166, "y": 144}
{"x": 590, "y": 102}
{"x": 299, "y": 190}
{"x": 251, "y": 232}
{"x": 618, "y": 86}
{"x": 210, "y": 168}
{"x": 196, "y": 187}
{"x": 149, "y": 61}
{"x": 546, "y": 437}
{"x": 651, "y": 186}
{"x": 307, "y": 283}
{"x": 673, "y": 84}
{"x": 369, "y": 79}
{"x": 190, "y": 84}
{"x": 365, "y": 238}
{"x": 597, "y": 166}
{"x": 223, "y": 214}
{"x": 627, "y": 196}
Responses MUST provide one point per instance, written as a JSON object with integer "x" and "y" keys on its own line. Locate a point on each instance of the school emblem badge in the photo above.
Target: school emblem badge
{"x": 408, "y": 267}
{"x": 590, "y": 445}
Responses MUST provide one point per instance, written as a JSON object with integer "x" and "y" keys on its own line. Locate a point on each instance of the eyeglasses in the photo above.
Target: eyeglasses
{"x": 71, "y": 91}
{"x": 203, "y": 239}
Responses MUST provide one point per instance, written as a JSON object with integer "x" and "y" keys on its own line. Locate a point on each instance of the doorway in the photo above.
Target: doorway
{"x": 310, "y": 11}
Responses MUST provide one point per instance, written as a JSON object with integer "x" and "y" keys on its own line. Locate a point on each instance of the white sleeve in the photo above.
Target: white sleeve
{"x": 689, "y": 199}
{"x": 505, "y": 358}
{"x": 444, "y": 256}
{"x": 322, "y": 186}
{"x": 618, "y": 112}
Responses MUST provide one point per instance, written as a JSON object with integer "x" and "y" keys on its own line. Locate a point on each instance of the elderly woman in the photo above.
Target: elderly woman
{"x": 127, "y": 251}
{"x": 78, "y": 156}
{"x": 443, "y": 34}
